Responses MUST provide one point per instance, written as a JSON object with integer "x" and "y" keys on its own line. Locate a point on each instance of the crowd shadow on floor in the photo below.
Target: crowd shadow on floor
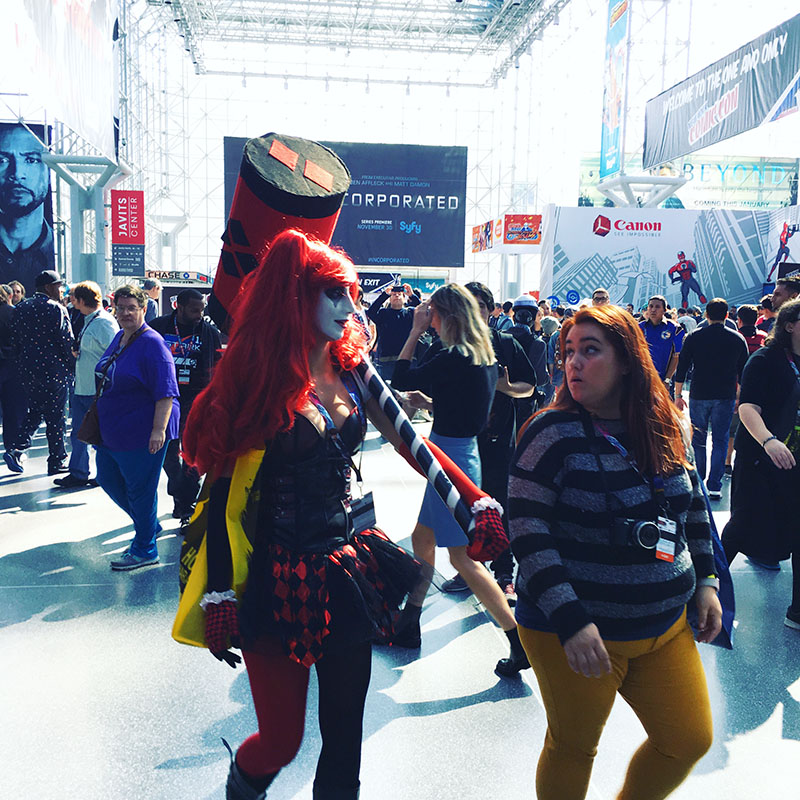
{"x": 754, "y": 678}
{"x": 66, "y": 580}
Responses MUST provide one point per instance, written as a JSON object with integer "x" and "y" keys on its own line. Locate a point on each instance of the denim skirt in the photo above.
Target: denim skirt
{"x": 434, "y": 512}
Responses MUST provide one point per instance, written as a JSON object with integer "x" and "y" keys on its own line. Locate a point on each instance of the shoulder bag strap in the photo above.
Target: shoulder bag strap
{"x": 112, "y": 360}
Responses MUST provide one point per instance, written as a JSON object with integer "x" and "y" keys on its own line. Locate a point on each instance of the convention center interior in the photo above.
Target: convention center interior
{"x": 400, "y": 399}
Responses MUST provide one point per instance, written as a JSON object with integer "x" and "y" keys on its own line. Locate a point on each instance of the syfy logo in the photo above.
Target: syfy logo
{"x": 602, "y": 226}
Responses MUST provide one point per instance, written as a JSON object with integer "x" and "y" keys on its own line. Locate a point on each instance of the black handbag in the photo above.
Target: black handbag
{"x": 89, "y": 430}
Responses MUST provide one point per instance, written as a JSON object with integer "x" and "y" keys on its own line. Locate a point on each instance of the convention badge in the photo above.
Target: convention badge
{"x": 668, "y": 530}
{"x": 184, "y": 376}
{"x": 362, "y": 513}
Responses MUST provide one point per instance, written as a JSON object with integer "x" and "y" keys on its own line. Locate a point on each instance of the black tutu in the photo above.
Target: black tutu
{"x": 317, "y": 601}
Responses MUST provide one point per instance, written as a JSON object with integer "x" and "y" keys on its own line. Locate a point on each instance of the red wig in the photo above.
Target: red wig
{"x": 650, "y": 416}
{"x": 264, "y": 375}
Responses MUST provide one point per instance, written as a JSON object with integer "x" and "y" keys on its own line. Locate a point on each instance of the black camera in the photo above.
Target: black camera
{"x": 635, "y": 531}
{"x": 398, "y": 288}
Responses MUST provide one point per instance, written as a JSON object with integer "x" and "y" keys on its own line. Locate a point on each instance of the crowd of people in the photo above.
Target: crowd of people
{"x": 576, "y": 420}
{"x": 67, "y": 354}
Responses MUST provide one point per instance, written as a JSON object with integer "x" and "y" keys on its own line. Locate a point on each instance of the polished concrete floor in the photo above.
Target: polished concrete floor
{"x": 97, "y": 702}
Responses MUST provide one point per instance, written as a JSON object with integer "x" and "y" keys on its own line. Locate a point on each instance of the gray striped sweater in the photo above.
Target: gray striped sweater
{"x": 570, "y": 572}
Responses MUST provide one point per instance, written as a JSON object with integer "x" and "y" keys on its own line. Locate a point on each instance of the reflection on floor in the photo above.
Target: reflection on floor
{"x": 97, "y": 701}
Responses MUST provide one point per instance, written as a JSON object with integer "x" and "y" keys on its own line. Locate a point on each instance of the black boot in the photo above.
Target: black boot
{"x": 334, "y": 793}
{"x": 516, "y": 661}
{"x": 407, "y": 630}
{"x": 243, "y": 787}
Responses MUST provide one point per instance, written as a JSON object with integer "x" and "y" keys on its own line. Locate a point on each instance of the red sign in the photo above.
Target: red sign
{"x": 523, "y": 229}
{"x": 127, "y": 216}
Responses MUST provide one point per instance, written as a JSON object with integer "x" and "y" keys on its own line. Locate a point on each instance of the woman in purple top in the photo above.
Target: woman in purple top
{"x": 139, "y": 414}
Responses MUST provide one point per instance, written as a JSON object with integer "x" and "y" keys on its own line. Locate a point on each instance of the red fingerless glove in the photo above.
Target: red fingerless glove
{"x": 222, "y": 629}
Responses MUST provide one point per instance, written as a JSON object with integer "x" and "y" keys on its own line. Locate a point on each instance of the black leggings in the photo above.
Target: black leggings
{"x": 279, "y": 686}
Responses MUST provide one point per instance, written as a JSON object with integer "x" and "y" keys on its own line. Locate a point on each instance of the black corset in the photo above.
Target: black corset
{"x": 304, "y": 481}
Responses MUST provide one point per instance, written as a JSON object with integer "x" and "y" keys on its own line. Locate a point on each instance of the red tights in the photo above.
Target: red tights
{"x": 280, "y": 686}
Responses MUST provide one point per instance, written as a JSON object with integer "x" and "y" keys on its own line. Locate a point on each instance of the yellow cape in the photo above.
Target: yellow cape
{"x": 190, "y": 621}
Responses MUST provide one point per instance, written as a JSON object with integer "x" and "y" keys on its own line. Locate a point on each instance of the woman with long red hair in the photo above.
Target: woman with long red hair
{"x": 609, "y": 525}
{"x": 317, "y": 592}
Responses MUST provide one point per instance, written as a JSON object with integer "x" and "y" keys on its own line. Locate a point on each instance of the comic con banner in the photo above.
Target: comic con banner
{"x": 757, "y": 83}
{"x": 615, "y": 72}
{"x": 687, "y": 256}
{"x": 405, "y": 207}
{"x": 26, "y": 209}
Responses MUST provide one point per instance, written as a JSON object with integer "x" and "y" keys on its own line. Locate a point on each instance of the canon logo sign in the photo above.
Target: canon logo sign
{"x": 602, "y": 226}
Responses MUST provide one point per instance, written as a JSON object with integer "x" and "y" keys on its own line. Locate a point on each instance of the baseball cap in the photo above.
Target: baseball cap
{"x": 525, "y": 301}
{"x": 47, "y": 277}
{"x": 550, "y": 325}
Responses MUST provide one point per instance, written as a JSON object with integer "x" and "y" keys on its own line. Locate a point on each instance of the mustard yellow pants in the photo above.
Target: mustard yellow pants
{"x": 663, "y": 681}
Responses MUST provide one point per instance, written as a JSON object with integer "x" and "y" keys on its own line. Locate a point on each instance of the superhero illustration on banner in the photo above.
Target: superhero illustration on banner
{"x": 683, "y": 273}
{"x": 783, "y": 251}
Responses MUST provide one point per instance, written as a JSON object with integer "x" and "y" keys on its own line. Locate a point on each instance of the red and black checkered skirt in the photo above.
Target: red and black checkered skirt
{"x": 313, "y": 601}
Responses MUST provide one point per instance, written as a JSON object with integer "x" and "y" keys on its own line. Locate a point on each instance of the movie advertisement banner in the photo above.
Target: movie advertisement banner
{"x": 26, "y": 207}
{"x": 59, "y": 56}
{"x": 687, "y": 256}
{"x": 758, "y": 83}
{"x": 127, "y": 232}
{"x": 615, "y": 72}
{"x": 406, "y": 206}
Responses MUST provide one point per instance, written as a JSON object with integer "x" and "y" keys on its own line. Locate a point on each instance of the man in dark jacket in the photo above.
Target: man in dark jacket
{"x": 393, "y": 324}
{"x": 195, "y": 346}
{"x": 496, "y": 441}
{"x": 535, "y": 348}
{"x": 718, "y": 355}
{"x": 12, "y": 398}
{"x": 42, "y": 341}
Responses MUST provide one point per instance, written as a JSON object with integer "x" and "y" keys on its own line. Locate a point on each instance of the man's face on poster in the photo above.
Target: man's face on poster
{"x": 24, "y": 177}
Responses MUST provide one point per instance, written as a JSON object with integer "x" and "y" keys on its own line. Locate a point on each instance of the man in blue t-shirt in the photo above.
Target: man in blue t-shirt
{"x": 664, "y": 337}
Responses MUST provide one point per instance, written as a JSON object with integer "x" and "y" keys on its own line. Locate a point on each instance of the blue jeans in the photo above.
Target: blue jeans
{"x": 79, "y": 460}
{"x": 130, "y": 479}
{"x": 717, "y": 413}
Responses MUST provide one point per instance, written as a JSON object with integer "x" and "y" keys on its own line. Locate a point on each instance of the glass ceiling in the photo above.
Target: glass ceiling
{"x": 471, "y": 41}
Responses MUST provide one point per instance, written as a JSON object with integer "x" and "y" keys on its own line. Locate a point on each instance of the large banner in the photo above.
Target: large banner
{"x": 26, "y": 208}
{"x": 714, "y": 181}
{"x": 757, "y": 83}
{"x": 405, "y": 207}
{"x": 687, "y": 256}
{"x": 59, "y": 55}
{"x": 615, "y": 72}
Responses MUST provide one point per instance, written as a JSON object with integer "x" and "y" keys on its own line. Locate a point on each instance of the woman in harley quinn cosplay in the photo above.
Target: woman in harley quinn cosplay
{"x": 316, "y": 593}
